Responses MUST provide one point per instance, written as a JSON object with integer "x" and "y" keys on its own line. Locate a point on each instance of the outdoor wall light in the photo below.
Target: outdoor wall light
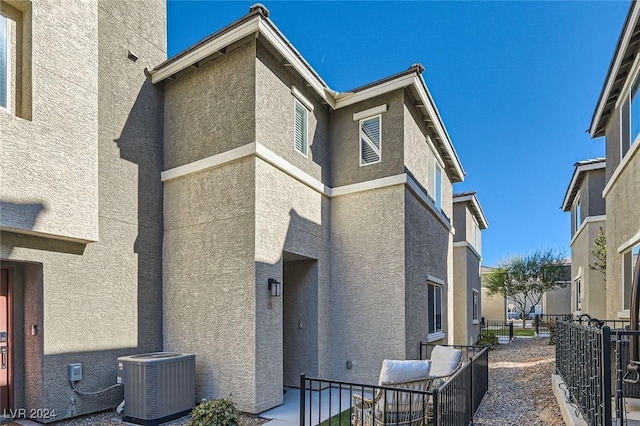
{"x": 275, "y": 286}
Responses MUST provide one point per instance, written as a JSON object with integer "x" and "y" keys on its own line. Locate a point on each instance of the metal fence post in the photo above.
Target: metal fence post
{"x": 511, "y": 331}
{"x": 302, "y": 401}
{"x": 605, "y": 368}
{"x": 537, "y": 320}
{"x": 436, "y": 401}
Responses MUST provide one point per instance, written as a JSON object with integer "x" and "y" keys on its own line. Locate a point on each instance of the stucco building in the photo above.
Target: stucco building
{"x": 584, "y": 200}
{"x": 224, "y": 202}
{"x": 465, "y": 293}
{"x": 616, "y": 118}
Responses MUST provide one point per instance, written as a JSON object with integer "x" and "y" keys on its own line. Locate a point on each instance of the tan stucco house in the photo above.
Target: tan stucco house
{"x": 585, "y": 202}
{"x": 616, "y": 118}
{"x": 225, "y": 202}
{"x": 465, "y": 294}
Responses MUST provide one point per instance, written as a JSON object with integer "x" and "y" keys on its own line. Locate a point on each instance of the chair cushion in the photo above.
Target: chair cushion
{"x": 395, "y": 371}
{"x": 444, "y": 361}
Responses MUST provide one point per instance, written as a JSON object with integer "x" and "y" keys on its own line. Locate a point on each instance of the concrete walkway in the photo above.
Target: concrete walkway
{"x": 288, "y": 413}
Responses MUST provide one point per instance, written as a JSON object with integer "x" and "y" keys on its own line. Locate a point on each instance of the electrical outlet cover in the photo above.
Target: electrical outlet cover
{"x": 75, "y": 372}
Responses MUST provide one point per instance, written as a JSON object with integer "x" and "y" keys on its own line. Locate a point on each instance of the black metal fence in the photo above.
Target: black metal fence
{"x": 501, "y": 329}
{"x": 592, "y": 359}
{"x": 335, "y": 403}
{"x": 543, "y": 323}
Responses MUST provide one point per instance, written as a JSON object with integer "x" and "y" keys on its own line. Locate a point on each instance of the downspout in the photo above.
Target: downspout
{"x": 633, "y": 368}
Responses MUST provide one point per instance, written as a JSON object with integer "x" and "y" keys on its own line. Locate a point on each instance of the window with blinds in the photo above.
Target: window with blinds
{"x": 370, "y": 140}
{"x": 4, "y": 63}
{"x": 300, "y": 128}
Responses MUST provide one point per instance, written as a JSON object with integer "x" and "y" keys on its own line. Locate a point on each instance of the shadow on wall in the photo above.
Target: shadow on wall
{"x": 141, "y": 142}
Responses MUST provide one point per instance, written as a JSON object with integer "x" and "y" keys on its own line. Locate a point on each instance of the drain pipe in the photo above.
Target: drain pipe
{"x": 633, "y": 368}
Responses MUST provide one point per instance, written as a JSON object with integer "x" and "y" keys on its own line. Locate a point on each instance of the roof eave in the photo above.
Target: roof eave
{"x": 476, "y": 208}
{"x": 576, "y": 179}
{"x": 596, "y": 129}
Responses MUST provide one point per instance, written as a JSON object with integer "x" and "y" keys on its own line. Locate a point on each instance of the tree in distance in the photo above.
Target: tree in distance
{"x": 525, "y": 279}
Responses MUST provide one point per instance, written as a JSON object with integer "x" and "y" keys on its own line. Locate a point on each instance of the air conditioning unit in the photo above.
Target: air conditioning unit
{"x": 158, "y": 387}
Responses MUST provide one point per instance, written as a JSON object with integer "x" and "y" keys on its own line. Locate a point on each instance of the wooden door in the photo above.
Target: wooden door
{"x": 5, "y": 340}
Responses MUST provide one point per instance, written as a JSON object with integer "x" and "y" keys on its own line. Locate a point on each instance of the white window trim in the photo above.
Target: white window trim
{"x": 305, "y": 154}
{"x": 435, "y": 181}
{"x": 624, "y": 253}
{"x": 437, "y": 335}
{"x": 476, "y": 320}
{"x": 379, "y": 117}
{"x": 623, "y": 164}
{"x": 628, "y": 245}
{"x": 574, "y": 208}
{"x": 587, "y": 220}
{"x": 368, "y": 113}
{"x": 303, "y": 100}
{"x": 8, "y": 63}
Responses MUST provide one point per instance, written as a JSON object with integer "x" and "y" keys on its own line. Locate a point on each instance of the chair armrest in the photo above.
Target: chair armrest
{"x": 360, "y": 401}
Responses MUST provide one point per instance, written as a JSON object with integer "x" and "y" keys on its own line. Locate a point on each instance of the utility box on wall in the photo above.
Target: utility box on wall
{"x": 158, "y": 386}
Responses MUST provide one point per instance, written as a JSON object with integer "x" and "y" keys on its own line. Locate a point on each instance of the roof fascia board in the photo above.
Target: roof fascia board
{"x": 206, "y": 50}
{"x": 350, "y": 98}
{"x": 611, "y": 77}
{"x": 442, "y": 132}
{"x": 568, "y": 199}
{"x": 285, "y": 50}
{"x": 480, "y": 217}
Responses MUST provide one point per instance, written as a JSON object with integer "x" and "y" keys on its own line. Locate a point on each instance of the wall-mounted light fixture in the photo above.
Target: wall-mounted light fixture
{"x": 275, "y": 286}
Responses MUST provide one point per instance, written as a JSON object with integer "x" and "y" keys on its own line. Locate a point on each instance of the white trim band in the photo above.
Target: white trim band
{"x": 629, "y": 243}
{"x": 588, "y": 219}
{"x": 370, "y": 112}
{"x": 209, "y": 162}
{"x": 435, "y": 336}
{"x": 298, "y": 94}
{"x": 435, "y": 280}
{"x": 470, "y": 247}
{"x": 623, "y": 164}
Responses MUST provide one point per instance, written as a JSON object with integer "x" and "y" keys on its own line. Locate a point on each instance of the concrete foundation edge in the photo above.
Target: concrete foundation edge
{"x": 566, "y": 409}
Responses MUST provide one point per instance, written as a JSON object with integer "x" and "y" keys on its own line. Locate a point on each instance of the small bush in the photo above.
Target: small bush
{"x": 221, "y": 412}
{"x": 552, "y": 333}
{"x": 489, "y": 339}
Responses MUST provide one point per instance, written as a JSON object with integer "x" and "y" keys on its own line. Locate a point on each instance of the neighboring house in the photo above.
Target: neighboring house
{"x": 492, "y": 307}
{"x": 584, "y": 200}
{"x": 617, "y": 118}
{"x": 555, "y": 302}
{"x": 465, "y": 293}
{"x": 230, "y": 204}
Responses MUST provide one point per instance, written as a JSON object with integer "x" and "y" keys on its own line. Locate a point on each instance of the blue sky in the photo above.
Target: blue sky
{"x": 516, "y": 84}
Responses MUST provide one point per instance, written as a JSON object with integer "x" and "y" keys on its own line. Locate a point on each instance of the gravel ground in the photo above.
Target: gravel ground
{"x": 520, "y": 385}
{"x": 112, "y": 419}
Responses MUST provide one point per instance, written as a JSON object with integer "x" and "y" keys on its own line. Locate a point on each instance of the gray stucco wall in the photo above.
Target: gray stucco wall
{"x": 290, "y": 217}
{"x": 466, "y": 267}
{"x": 95, "y": 302}
{"x": 460, "y": 213}
{"x": 595, "y": 184}
{"x": 612, "y": 143}
{"x": 594, "y": 293}
{"x": 367, "y": 282}
{"x": 345, "y": 138}
{"x": 211, "y": 109}
{"x": 623, "y": 223}
{"x": 426, "y": 251}
{"x": 209, "y": 278}
{"x": 274, "y": 111}
{"x": 55, "y": 193}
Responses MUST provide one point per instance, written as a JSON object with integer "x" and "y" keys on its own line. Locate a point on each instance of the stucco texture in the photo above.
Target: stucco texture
{"x": 593, "y": 287}
{"x": 55, "y": 193}
{"x": 90, "y": 302}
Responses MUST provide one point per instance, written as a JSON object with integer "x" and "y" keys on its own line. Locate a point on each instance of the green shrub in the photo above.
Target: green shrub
{"x": 221, "y": 412}
{"x": 552, "y": 333}
{"x": 488, "y": 339}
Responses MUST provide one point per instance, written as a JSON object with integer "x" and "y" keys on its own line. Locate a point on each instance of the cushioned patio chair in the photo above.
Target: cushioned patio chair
{"x": 395, "y": 407}
{"x": 404, "y": 408}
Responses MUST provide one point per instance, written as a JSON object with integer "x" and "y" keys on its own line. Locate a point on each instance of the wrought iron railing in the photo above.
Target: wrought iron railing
{"x": 501, "y": 329}
{"x": 331, "y": 402}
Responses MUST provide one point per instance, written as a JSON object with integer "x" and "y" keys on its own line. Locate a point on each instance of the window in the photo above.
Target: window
{"x": 577, "y": 215}
{"x": 435, "y": 308}
{"x": 476, "y": 313}
{"x": 438, "y": 186}
{"x": 300, "y": 128}
{"x": 4, "y": 63}
{"x": 370, "y": 140}
{"x": 635, "y": 111}
{"x": 475, "y": 237}
{"x": 628, "y": 272}
{"x": 578, "y": 284}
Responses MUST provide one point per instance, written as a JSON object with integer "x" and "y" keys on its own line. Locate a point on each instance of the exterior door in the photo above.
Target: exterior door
{"x": 5, "y": 349}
